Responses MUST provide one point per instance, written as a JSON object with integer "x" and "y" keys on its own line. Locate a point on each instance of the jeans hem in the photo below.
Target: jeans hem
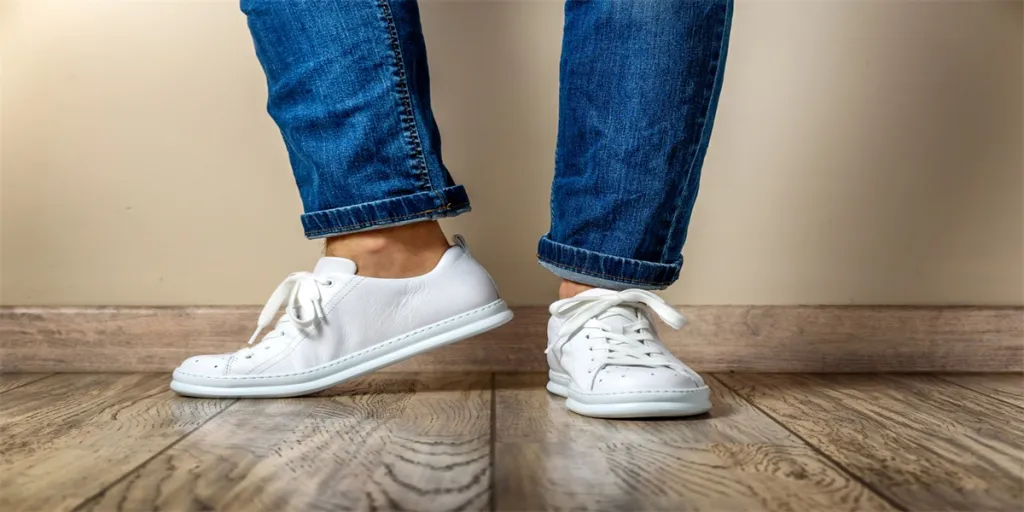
{"x": 446, "y": 202}
{"x": 604, "y": 270}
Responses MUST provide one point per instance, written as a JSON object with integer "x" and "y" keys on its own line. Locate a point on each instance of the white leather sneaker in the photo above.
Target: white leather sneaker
{"x": 338, "y": 325}
{"x": 606, "y": 359}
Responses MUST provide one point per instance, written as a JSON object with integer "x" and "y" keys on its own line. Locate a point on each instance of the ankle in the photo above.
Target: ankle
{"x": 570, "y": 289}
{"x": 393, "y": 253}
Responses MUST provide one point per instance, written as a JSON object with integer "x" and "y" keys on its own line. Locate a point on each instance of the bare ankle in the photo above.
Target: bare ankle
{"x": 571, "y": 289}
{"x": 393, "y": 253}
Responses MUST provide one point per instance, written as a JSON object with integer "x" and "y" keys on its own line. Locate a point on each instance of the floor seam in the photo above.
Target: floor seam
{"x": 976, "y": 391}
{"x": 887, "y": 499}
{"x": 152, "y": 457}
{"x": 19, "y": 386}
{"x": 494, "y": 435}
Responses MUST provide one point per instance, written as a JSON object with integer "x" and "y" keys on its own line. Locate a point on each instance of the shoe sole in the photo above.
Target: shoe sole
{"x": 692, "y": 403}
{"x": 457, "y": 328}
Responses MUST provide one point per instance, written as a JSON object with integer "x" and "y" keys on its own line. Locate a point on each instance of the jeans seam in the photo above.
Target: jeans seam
{"x": 598, "y": 274}
{"x": 708, "y": 92}
{"x": 407, "y": 116}
{"x": 335, "y": 229}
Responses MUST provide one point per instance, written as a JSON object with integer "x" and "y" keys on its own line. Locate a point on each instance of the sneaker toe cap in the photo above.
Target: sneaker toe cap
{"x": 205, "y": 365}
{"x": 627, "y": 379}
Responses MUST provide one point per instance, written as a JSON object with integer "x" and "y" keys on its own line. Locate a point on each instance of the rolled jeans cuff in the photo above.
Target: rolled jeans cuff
{"x": 604, "y": 270}
{"x": 446, "y": 202}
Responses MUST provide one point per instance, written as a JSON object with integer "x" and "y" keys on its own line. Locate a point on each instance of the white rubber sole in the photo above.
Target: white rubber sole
{"x": 690, "y": 403}
{"x": 331, "y": 374}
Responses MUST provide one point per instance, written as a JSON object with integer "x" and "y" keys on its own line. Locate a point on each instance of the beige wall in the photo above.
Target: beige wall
{"x": 865, "y": 152}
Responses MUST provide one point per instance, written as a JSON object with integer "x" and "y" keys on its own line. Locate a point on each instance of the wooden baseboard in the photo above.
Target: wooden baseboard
{"x": 717, "y": 339}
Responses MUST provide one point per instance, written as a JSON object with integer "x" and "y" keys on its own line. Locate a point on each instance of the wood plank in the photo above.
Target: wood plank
{"x": 9, "y": 381}
{"x": 157, "y": 339}
{"x": 389, "y": 441}
{"x": 718, "y": 339}
{"x": 116, "y": 339}
{"x": 924, "y": 443}
{"x": 1008, "y": 387}
{"x": 856, "y": 339}
{"x": 735, "y": 458}
{"x": 66, "y": 437}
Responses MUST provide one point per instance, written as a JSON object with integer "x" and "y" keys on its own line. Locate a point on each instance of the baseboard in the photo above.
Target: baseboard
{"x": 718, "y": 339}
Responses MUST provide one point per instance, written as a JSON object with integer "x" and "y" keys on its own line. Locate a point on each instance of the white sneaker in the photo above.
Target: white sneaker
{"x": 606, "y": 359}
{"x": 338, "y": 326}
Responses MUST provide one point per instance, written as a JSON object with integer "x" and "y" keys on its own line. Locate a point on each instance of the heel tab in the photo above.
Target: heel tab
{"x": 452, "y": 255}
{"x": 474, "y": 267}
{"x": 461, "y": 242}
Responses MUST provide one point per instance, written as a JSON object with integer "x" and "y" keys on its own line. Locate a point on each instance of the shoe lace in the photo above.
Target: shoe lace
{"x": 633, "y": 344}
{"x": 300, "y": 295}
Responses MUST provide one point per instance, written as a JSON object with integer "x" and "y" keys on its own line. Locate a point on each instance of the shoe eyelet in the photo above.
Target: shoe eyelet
{"x": 248, "y": 357}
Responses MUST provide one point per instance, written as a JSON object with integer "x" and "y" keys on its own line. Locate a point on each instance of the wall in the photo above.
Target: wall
{"x": 866, "y": 152}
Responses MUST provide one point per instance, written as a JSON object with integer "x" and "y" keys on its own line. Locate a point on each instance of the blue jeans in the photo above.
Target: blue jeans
{"x": 349, "y": 88}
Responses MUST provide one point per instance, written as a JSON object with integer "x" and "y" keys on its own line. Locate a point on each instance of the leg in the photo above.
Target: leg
{"x": 348, "y": 86}
{"x": 639, "y": 86}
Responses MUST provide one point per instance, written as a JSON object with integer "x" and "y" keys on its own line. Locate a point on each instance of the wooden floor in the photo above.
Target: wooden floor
{"x": 482, "y": 441}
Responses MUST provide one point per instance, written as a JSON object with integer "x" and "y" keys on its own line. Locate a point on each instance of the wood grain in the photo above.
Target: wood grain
{"x": 423, "y": 442}
{"x": 856, "y": 339}
{"x": 718, "y": 338}
{"x": 387, "y": 442}
{"x": 923, "y": 442}
{"x": 157, "y": 339}
{"x": 66, "y": 437}
{"x": 1008, "y": 387}
{"x": 733, "y": 459}
{"x": 9, "y": 381}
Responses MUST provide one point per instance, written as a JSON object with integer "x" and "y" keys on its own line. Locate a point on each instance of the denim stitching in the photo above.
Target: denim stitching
{"x": 587, "y": 252}
{"x": 406, "y": 115}
{"x": 447, "y": 207}
{"x": 561, "y": 247}
{"x": 598, "y": 274}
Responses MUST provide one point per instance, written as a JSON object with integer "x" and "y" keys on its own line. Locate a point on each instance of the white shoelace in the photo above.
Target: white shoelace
{"x": 626, "y": 348}
{"x": 300, "y": 294}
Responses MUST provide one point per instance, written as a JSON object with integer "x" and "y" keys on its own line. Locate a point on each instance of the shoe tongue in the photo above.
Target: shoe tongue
{"x": 334, "y": 266}
{"x": 617, "y": 316}
{"x": 595, "y": 292}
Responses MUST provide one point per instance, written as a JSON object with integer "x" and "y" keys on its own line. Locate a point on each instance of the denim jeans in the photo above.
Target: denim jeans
{"x": 639, "y": 83}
